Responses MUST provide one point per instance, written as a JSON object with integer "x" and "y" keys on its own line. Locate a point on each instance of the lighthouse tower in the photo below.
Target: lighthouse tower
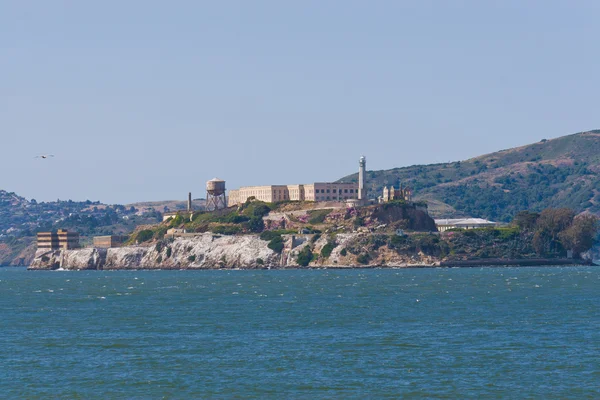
{"x": 362, "y": 190}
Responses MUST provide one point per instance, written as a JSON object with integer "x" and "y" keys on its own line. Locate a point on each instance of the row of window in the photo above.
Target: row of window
{"x": 334, "y": 191}
{"x": 333, "y": 198}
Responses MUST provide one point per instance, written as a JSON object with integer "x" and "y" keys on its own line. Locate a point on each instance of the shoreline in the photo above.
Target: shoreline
{"x": 538, "y": 262}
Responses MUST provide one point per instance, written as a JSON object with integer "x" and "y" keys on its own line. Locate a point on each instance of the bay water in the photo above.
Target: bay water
{"x": 360, "y": 333}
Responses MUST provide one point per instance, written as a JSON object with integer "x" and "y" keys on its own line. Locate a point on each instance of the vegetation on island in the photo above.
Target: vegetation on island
{"x": 553, "y": 233}
{"x": 560, "y": 172}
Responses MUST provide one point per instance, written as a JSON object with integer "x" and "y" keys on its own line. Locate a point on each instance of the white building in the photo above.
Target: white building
{"x": 463, "y": 223}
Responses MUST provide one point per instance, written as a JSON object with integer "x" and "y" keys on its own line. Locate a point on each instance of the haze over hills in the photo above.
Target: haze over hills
{"x": 561, "y": 172}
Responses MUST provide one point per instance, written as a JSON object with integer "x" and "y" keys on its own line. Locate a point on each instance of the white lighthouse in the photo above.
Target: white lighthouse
{"x": 362, "y": 191}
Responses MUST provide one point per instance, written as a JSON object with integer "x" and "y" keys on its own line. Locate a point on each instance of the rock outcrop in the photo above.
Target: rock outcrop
{"x": 204, "y": 251}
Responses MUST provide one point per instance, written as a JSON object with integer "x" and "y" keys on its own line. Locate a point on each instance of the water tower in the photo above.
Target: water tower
{"x": 215, "y": 194}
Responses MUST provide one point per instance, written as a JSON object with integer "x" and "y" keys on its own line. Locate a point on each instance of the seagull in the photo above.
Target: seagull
{"x": 44, "y": 156}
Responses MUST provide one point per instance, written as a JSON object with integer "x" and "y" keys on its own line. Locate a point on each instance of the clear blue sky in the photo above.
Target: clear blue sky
{"x": 146, "y": 100}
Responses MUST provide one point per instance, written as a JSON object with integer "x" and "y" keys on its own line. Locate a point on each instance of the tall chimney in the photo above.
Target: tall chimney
{"x": 189, "y": 208}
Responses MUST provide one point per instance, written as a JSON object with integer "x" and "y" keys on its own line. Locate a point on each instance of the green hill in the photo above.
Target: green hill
{"x": 560, "y": 172}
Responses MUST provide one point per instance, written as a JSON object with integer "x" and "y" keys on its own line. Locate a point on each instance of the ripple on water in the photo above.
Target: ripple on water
{"x": 459, "y": 333}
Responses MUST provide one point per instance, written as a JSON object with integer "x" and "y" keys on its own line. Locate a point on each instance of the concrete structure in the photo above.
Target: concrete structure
{"x": 318, "y": 191}
{"x": 111, "y": 241}
{"x": 391, "y": 194}
{"x": 215, "y": 194}
{"x": 189, "y": 203}
{"x": 62, "y": 239}
{"x": 464, "y": 223}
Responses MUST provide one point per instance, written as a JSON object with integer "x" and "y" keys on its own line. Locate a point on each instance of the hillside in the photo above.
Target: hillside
{"x": 560, "y": 172}
{"x": 21, "y": 219}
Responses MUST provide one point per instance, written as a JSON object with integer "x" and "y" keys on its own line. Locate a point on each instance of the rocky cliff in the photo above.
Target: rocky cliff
{"x": 209, "y": 251}
{"x": 364, "y": 249}
{"x": 204, "y": 251}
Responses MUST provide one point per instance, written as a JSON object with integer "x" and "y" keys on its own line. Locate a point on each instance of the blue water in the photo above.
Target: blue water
{"x": 411, "y": 333}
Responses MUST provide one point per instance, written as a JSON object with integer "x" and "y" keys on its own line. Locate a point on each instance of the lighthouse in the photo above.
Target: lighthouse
{"x": 362, "y": 191}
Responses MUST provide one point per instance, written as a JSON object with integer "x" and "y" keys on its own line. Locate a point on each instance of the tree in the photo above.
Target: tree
{"x": 256, "y": 224}
{"x": 580, "y": 236}
{"x": 305, "y": 256}
{"x": 550, "y": 223}
{"x": 525, "y": 220}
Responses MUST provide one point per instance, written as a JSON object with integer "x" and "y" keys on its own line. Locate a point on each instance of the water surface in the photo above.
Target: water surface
{"x": 420, "y": 333}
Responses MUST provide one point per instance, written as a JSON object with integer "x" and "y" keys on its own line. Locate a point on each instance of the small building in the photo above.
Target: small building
{"x": 109, "y": 241}
{"x": 61, "y": 239}
{"x": 464, "y": 223}
{"x": 392, "y": 194}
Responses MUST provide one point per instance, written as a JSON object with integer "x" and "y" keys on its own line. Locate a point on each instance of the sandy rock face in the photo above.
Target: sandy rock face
{"x": 75, "y": 259}
{"x": 89, "y": 258}
{"x": 206, "y": 251}
{"x": 210, "y": 251}
{"x": 130, "y": 257}
{"x": 46, "y": 260}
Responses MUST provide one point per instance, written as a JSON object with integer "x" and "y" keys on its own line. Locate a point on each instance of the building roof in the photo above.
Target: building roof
{"x": 464, "y": 221}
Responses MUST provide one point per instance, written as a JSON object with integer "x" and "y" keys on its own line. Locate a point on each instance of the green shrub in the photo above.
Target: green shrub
{"x": 159, "y": 259}
{"x": 268, "y": 235}
{"x": 305, "y": 256}
{"x": 234, "y": 218}
{"x": 169, "y": 251}
{"x": 192, "y": 258}
{"x": 363, "y": 258}
{"x": 397, "y": 241}
{"x": 158, "y": 247}
{"x": 256, "y": 224}
{"x": 317, "y": 216}
{"x": 144, "y": 235}
{"x": 327, "y": 249}
{"x": 261, "y": 210}
{"x": 178, "y": 220}
{"x": 255, "y": 209}
{"x": 343, "y": 252}
{"x": 276, "y": 244}
{"x": 260, "y": 261}
{"x": 377, "y": 241}
{"x": 226, "y": 229}
{"x": 315, "y": 238}
{"x": 160, "y": 232}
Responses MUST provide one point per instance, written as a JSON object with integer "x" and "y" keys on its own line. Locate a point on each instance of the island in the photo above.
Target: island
{"x": 296, "y": 234}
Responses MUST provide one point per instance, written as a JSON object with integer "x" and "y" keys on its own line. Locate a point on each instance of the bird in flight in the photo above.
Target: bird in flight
{"x": 45, "y": 156}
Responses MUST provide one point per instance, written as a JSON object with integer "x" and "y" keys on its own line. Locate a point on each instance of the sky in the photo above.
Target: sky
{"x": 147, "y": 100}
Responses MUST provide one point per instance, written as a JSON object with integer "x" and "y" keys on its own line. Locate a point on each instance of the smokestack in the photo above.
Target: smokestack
{"x": 189, "y": 201}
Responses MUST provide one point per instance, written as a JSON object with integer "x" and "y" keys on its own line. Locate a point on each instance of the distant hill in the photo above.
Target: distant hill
{"x": 561, "y": 172}
{"x": 167, "y": 205}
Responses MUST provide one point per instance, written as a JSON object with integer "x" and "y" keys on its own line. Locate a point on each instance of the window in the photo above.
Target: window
{"x": 327, "y": 190}
{"x": 328, "y": 198}
{"x": 345, "y": 190}
{"x": 333, "y": 190}
{"x": 351, "y": 190}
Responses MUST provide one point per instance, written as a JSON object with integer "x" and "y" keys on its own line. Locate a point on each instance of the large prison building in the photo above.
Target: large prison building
{"x": 319, "y": 191}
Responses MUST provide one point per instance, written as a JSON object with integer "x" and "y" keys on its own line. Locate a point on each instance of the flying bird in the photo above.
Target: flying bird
{"x": 45, "y": 156}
